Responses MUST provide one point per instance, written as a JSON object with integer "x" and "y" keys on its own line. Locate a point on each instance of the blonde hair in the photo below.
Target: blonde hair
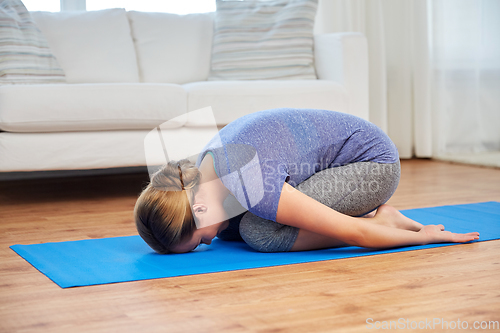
{"x": 162, "y": 213}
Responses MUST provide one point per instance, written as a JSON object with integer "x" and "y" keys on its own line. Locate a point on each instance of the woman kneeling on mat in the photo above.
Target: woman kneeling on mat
{"x": 310, "y": 179}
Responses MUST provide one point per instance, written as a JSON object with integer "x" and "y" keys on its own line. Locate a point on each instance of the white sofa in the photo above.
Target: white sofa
{"x": 128, "y": 72}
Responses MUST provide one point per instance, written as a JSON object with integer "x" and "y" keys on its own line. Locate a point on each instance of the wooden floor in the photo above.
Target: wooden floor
{"x": 450, "y": 283}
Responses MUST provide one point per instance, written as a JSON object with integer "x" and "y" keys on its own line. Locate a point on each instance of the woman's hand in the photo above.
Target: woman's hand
{"x": 437, "y": 234}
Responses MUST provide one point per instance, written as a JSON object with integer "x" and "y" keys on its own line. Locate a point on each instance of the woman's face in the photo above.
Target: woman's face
{"x": 202, "y": 235}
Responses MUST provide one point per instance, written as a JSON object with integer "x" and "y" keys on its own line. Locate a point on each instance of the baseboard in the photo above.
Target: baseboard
{"x": 486, "y": 159}
{"x": 8, "y": 176}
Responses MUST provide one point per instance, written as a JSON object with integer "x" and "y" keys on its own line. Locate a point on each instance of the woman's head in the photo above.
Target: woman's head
{"x": 162, "y": 213}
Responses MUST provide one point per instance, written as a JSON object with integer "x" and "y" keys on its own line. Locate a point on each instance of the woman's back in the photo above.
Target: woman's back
{"x": 256, "y": 154}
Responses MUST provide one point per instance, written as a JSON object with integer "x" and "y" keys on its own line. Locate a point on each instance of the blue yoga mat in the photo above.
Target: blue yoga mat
{"x": 120, "y": 259}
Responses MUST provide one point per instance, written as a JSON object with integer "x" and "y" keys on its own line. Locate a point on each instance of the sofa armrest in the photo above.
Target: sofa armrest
{"x": 343, "y": 58}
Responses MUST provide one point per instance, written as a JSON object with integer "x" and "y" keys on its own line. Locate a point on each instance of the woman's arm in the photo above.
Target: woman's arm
{"x": 299, "y": 210}
{"x": 307, "y": 240}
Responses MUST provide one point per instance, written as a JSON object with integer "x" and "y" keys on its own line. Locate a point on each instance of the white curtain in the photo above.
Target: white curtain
{"x": 466, "y": 80}
{"x": 434, "y": 70}
{"x": 365, "y": 17}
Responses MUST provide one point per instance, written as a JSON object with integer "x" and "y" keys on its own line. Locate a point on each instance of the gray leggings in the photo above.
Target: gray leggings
{"x": 353, "y": 189}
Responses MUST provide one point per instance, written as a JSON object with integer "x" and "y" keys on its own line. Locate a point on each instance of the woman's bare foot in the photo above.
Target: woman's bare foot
{"x": 391, "y": 217}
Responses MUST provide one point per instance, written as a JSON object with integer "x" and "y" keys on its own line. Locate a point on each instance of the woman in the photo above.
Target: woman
{"x": 310, "y": 179}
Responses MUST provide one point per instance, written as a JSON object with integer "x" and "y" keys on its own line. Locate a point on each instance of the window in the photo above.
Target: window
{"x": 45, "y": 5}
{"x": 170, "y": 6}
{"x": 465, "y": 33}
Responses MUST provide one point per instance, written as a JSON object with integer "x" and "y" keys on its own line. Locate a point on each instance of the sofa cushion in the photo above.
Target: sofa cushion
{"x": 25, "y": 56}
{"x": 89, "y": 150}
{"x": 94, "y": 46}
{"x": 262, "y": 40}
{"x": 233, "y": 99}
{"x": 88, "y": 107}
{"x": 172, "y": 48}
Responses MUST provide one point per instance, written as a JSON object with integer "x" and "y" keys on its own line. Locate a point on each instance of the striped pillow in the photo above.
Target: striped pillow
{"x": 25, "y": 56}
{"x": 263, "y": 40}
